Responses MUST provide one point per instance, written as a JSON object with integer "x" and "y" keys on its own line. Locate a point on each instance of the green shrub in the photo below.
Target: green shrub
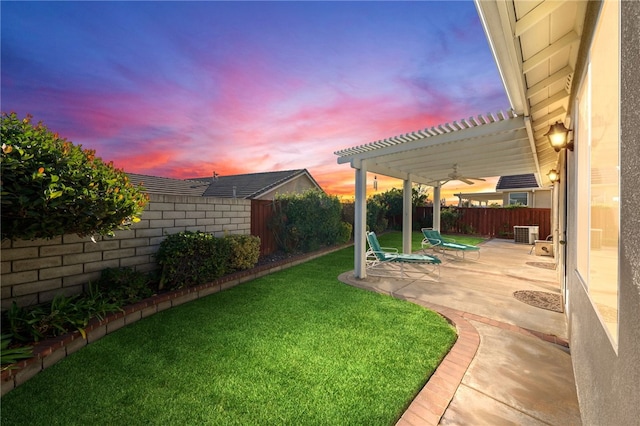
{"x": 51, "y": 187}
{"x": 124, "y": 286}
{"x": 377, "y": 211}
{"x": 244, "y": 251}
{"x": 9, "y": 355}
{"x": 514, "y": 206}
{"x": 385, "y": 210}
{"x": 468, "y": 229}
{"x": 424, "y": 222}
{"x": 449, "y": 218}
{"x": 17, "y": 324}
{"x": 344, "y": 234}
{"x": 192, "y": 258}
{"x": 307, "y": 221}
{"x": 61, "y": 315}
{"x": 348, "y": 212}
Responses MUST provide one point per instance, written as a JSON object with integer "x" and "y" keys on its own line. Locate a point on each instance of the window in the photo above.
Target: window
{"x": 598, "y": 168}
{"x": 519, "y": 198}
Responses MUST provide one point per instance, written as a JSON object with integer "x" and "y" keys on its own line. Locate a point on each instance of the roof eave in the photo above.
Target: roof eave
{"x": 496, "y": 21}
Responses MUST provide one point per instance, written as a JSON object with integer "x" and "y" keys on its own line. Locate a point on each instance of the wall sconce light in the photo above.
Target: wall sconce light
{"x": 558, "y": 136}
{"x": 553, "y": 176}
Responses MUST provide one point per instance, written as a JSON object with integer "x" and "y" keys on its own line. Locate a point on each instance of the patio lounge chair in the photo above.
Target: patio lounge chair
{"x": 433, "y": 240}
{"x": 388, "y": 259}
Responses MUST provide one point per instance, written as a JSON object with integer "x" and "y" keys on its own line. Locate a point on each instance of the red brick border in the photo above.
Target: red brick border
{"x": 429, "y": 405}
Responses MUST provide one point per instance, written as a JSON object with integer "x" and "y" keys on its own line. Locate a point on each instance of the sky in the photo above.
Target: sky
{"x": 183, "y": 89}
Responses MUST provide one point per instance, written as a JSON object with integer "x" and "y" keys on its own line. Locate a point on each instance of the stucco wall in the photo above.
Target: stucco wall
{"x": 537, "y": 199}
{"x": 542, "y": 199}
{"x": 608, "y": 383}
{"x": 298, "y": 185}
{"x": 35, "y": 271}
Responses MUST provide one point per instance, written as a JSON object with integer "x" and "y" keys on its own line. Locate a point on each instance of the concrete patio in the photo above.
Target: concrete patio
{"x": 511, "y": 363}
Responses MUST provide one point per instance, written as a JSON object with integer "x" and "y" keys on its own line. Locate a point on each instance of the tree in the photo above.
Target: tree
{"x": 419, "y": 195}
{"x": 52, "y": 187}
{"x": 393, "y": 198}
{"x": 384, "y": 208}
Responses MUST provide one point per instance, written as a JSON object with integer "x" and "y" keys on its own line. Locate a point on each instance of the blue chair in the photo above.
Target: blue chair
{"x": 436, "y": 242}
{"x": 378, "y": 257}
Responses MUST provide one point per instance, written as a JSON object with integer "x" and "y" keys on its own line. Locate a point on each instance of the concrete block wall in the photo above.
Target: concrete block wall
{"x": 34, "y": 272}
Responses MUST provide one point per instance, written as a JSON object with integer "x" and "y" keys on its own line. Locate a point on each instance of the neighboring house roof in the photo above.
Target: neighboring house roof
{"x": 250, "y": 185}
{"x": 247, "y": 186}
{"x": 525, "y": 181}
{"x": 168, "y": 186}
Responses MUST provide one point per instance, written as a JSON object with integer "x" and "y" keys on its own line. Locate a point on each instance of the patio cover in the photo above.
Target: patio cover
{"x": 481, "y": 197}
{"x": 483, "y": 146}
{"x": 535, "y": 45}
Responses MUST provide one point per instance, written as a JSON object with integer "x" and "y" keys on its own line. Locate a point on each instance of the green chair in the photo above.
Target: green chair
{"x": 388, "y": 259}
{"x": 436, "y": 242}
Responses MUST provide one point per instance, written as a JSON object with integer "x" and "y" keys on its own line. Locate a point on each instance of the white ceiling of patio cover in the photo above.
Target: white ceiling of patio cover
{"x": 483, "y": 146}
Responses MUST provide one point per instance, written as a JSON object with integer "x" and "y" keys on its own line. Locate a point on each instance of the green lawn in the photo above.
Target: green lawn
{"x": 291, "y": 348}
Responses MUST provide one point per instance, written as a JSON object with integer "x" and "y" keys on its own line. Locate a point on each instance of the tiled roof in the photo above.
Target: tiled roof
{"x": 249, "y": 185}
{"x": 517, "y": 182}
{"x": 168, "y": 186}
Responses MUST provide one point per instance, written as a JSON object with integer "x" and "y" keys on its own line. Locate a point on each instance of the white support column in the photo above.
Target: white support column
{"x": 436, "y": 207}
{"x": 406, "y": 215}
{"x": 360, "y": 222}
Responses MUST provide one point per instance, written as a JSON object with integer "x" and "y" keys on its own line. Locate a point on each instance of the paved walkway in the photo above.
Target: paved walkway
{"x": 511, "y": 364}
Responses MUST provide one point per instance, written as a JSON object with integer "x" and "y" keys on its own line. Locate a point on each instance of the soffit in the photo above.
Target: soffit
{"x": 536, "y": 44}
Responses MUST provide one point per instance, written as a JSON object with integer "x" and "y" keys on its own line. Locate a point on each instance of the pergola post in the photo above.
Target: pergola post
{"x": 406, "y": 215}
{"x": 360, "y": 221}
{"x": 436, "y": 207}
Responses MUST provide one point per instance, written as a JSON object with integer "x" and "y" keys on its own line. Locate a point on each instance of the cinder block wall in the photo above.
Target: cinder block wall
{"x": 35, "y": 271}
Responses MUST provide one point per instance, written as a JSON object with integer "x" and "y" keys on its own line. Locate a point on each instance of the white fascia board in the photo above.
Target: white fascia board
{"x": 496, "y": 127}
{"x": 496, "y": 22}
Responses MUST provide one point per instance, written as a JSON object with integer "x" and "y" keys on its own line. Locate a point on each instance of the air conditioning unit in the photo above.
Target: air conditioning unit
{"x": 525, "y": 234}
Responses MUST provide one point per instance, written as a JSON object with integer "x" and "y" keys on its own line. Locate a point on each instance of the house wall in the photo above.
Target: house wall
{"x": 299, "y": 184}
{"x": 538, "y": 199}
{"x": 542, "y": 199}
{"x": 608, "y": 375}
{"x": 35, "y": 271}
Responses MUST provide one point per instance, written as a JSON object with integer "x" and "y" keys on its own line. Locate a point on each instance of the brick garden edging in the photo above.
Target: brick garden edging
{"x": 48, "y": 352}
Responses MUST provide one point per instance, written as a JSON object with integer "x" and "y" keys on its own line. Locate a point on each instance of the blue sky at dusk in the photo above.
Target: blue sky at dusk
{"x": 180, "y": 89}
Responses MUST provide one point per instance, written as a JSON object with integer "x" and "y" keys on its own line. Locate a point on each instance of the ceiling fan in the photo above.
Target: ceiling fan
{"x": 454, "y": 175}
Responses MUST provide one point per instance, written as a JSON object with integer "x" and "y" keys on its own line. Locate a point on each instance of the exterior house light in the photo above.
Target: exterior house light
{"x": 558, "y": 136}
{"x": 553, "y": 176}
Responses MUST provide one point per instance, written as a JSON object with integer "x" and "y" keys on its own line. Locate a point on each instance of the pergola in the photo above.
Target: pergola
{"x": 481, "y": 197}
{"x": 535, "y": 45}
{"x": 496, "y": 144}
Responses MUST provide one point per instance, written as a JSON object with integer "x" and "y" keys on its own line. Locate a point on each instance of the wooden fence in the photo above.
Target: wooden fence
{"x": 490, "y": 222}
{"x": 499, "y": 222}
{"x": 261, "y": 214}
